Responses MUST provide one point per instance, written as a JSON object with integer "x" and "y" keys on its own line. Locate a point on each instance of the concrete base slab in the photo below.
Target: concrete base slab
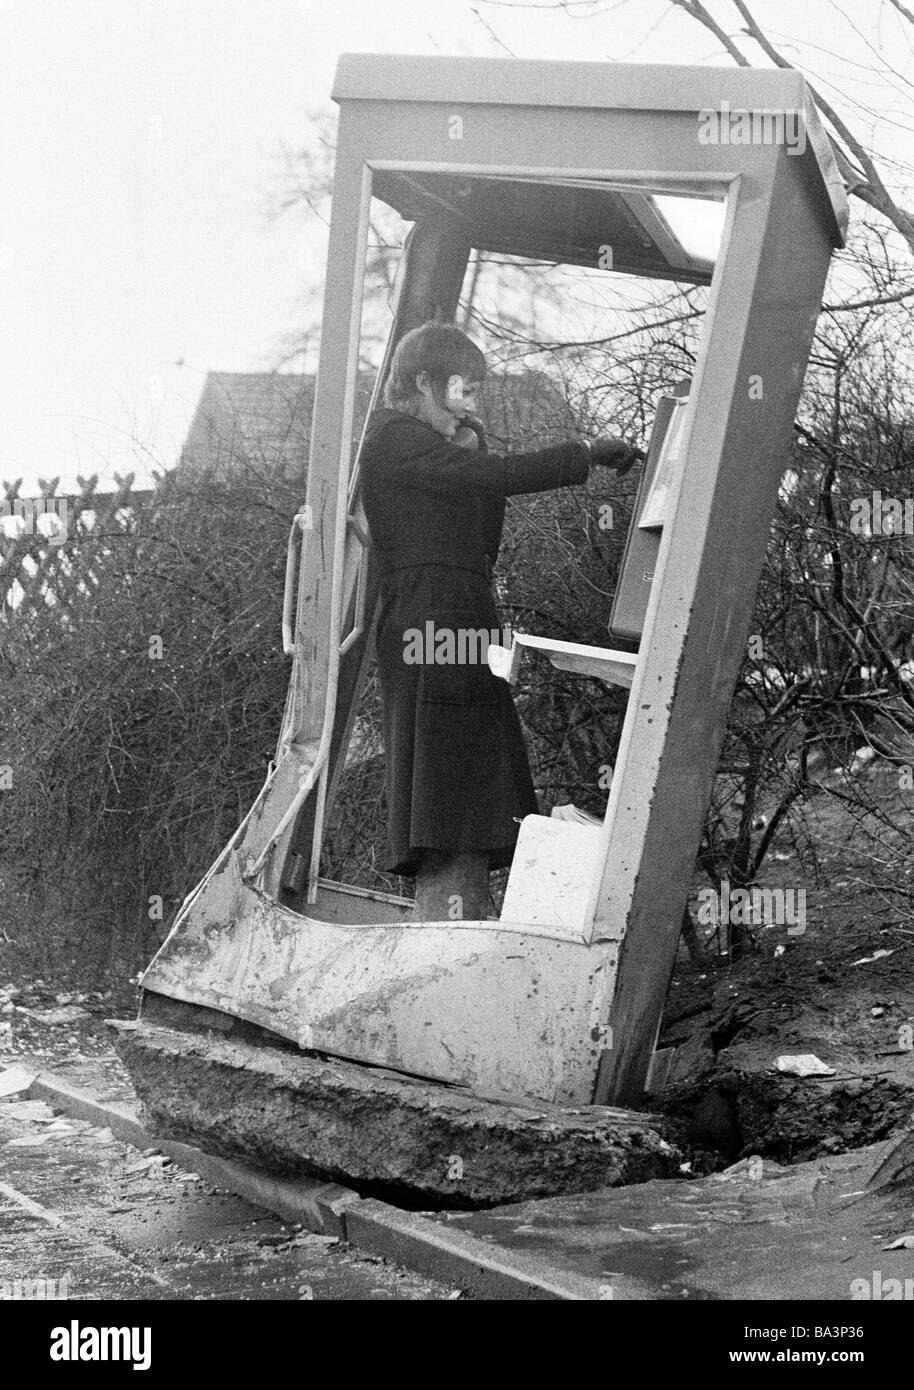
{"x": 297, "y": 1114}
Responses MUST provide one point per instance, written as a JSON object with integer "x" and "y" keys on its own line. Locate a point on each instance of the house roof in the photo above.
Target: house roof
{"x": 260, "y": 422}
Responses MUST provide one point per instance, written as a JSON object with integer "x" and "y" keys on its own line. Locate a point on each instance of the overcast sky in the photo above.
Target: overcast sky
{"x": 138, "y": 137}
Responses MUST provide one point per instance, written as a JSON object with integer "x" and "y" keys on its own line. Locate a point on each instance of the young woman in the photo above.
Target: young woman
{"x": 458, "y": 778}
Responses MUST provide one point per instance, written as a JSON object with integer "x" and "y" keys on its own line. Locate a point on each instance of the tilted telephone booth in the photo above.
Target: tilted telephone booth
{"x": 559, "y": 1000}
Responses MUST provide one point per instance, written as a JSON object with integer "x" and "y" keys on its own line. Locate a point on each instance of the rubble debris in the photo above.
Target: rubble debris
{"x": 877, "y": 955}
{"x": 803, "y": 1064}
{"x": 147, "y": 1165}
{"x": 905, "y": 1242}
{"x": 68, "y": 1013}
{"x": 14, "y": 1080}
{"x": 28, "y": 1110}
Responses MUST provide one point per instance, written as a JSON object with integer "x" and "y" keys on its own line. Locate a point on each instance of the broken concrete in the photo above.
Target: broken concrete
{"x": 822, "y": 1230}
{"x": 385, "y": 1134}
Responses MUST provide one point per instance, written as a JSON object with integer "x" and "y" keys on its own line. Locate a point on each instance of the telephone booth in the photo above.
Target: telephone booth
{"x": 560, "y": 999}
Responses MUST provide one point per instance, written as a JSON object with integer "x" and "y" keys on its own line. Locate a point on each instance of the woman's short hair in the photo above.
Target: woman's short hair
{"x": 440, "y": 349}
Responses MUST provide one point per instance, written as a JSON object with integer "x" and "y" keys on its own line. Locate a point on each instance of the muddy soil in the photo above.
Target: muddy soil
{"x": 843, "y": 991}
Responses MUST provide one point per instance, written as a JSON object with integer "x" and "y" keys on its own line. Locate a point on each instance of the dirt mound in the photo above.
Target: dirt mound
{"x": 843, "y": 992}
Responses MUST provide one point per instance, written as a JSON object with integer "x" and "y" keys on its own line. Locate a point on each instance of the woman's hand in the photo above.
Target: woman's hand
{"x": 616, "y": 454}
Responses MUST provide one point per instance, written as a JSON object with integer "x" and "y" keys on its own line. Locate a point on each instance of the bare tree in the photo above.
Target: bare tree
{"x": 860, "y": 166}
{"x": 863, "y": 168}
{"x": 526, "y": 291}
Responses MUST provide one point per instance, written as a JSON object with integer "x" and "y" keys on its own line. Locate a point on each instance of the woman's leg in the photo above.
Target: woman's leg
{"x": 452, "y": 886}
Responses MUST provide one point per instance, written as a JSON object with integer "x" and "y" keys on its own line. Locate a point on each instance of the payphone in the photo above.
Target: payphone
{"x": 650, "y": 513}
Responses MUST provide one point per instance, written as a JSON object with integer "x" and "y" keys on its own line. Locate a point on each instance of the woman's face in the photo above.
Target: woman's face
{"x": 444, "y": 414}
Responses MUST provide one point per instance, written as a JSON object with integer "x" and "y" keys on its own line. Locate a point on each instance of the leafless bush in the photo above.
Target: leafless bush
{"x": 143, "y": 684}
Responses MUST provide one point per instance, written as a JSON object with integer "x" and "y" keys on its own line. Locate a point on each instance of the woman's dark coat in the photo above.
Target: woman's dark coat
{"x": 457, "y": 770}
